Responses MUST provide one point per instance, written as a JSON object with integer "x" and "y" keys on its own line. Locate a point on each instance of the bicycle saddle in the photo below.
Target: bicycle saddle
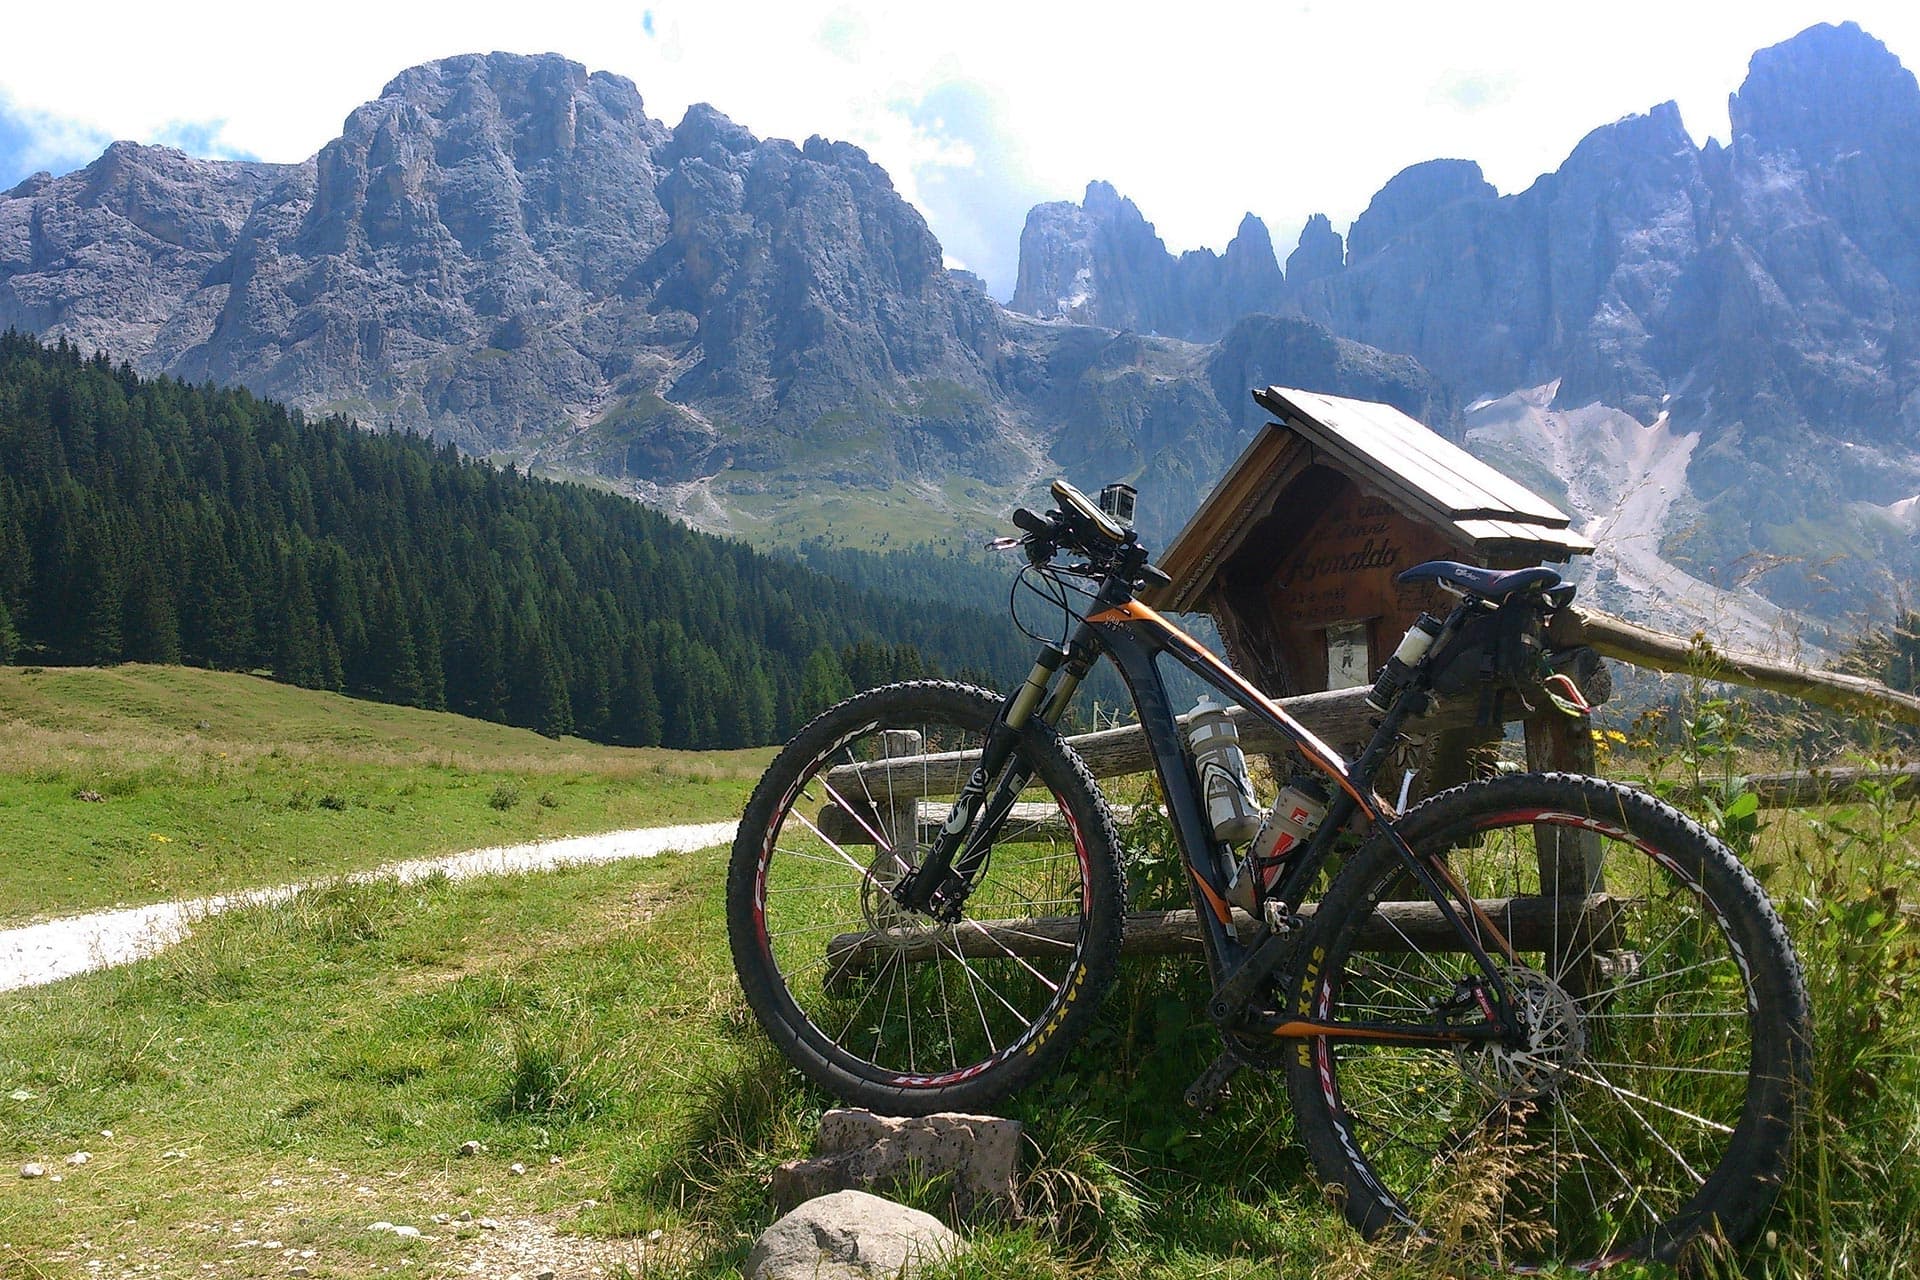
{"x": 1488, "y": 584}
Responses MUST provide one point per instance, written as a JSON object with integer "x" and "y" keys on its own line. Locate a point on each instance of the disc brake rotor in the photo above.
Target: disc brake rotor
{"x": 1555, "y": 1040}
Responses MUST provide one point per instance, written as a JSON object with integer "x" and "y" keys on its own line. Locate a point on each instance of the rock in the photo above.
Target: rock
{"x": 297, "y": 1271}
{"x": 407, "y": 1232}
{"x": 1101, "y": 263}
{"x": 32, "y": 1170}
{"x": 79, "y": 1157}
{"x": 1412, "y": 196}
{"x": 470, "y": 1148}
{"x": 89, "y": 797}
{"x": 465, "y": 1215}
{"x": 860, "y": 1150}
{"x": 489, "y": 1224}
{"x": 380, "y": 1226}
{"x": 1319, "y": 254}
{"x": 849, "y": 1235}
{"x": 516, "y": 1169}
{"x": 544, "y": 1273}
{"x": 502, "y": 240}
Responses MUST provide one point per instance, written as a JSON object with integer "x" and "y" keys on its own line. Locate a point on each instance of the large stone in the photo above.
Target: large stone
{"x": 849, "y": 1235}
{"x": 861, "y": 1150}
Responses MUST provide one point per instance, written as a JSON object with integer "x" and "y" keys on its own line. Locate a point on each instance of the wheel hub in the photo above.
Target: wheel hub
{"x": 1553, "y": 1040}
{"x": 891, "y": 924}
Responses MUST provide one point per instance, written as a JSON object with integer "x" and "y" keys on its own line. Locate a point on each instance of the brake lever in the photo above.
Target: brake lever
{"x": 1004, "y": 544}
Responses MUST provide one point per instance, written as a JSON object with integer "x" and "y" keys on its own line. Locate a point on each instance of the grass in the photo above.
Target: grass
{"x": 902, "y": 514}
{"x": 295, "y": 1073}
{"x": 137, "y": 784}
{"x": 306, "y": 1070}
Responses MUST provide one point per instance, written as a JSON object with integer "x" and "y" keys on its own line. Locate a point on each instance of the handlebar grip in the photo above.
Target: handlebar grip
{"x": 1030, "y": 522}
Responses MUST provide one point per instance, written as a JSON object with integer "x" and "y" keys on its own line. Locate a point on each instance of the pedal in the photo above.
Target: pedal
{"x": 1204, "y": 1094}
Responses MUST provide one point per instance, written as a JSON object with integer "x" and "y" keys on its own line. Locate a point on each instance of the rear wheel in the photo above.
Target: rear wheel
{"x": 1652, "y": 1100}
{"x": 887, "y": 1007}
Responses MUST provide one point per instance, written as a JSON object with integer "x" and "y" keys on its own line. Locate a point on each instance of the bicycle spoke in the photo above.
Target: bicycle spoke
{"x": 1610, "y": 1087}
{"x": 991, "y": 989}
{"x": 1637, "y": 1055}
{"x": 1045, "y": 981}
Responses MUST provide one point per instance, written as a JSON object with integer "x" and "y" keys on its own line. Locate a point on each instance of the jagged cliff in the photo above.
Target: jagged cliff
{"x": 1759, "y": 298}
{"x": 508, "y": 252}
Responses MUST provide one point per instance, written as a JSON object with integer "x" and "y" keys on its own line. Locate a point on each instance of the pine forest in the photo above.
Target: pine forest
{"x": 156, "y": 521}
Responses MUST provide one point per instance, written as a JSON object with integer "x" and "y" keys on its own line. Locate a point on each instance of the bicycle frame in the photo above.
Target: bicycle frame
{"x": 1135, "y": 636}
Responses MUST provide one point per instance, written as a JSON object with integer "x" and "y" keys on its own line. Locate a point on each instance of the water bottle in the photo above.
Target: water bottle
{"x": 1295, "y": 815}
{"x": 1224, "y": 790}
{"x": 1413, "y": 647}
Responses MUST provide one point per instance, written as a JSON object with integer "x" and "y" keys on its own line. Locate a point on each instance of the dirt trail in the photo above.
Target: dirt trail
{"x": 55, "y": 949}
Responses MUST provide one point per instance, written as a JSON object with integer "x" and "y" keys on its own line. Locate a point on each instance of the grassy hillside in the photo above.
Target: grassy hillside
{"x": 208, "y": 781}
{"x": 293, "y": 1074}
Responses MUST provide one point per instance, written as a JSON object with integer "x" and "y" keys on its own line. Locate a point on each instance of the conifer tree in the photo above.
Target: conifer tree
{"x": 152, "y": 519}
{"x": 824, "y": 682}
{"x": 151, "y": 627}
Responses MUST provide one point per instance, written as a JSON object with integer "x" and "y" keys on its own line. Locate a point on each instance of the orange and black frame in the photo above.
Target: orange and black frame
{"x": 1136, "y": 638}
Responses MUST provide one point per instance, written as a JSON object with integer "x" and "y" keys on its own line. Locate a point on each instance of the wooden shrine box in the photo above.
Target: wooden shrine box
{"x": 1295, "y": 551}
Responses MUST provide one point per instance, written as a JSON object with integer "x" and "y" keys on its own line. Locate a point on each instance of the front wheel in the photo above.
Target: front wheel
{"x": 1651, "y": 1098}
{"x": 890, "y": 1008}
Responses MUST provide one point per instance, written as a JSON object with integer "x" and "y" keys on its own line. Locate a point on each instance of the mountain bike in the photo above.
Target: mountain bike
{"x": 1554, "y": 977}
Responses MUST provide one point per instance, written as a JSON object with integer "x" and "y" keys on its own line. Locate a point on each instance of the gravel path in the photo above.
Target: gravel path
{"x": 58, "y": 949}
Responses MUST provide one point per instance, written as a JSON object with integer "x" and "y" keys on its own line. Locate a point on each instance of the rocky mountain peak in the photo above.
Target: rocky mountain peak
{"x": 1250, "y": 252}
{"x": 705, "y": 132}
{"x": 1825, "y": 92}
{"x": 1103, "y": 201}
{"x": 502, "y": 73}
{"x": 1412, "y": 196}
{"x": 1658, "y": 134}
{"x": 1320, "y": 252}
{"x": 1250, "y": 277}
{"x": 1101, "y": 262}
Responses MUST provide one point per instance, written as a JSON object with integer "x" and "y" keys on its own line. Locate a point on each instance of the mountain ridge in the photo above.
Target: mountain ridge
{"x": 506, "y": 251}
{"x": 1763, "y": 295}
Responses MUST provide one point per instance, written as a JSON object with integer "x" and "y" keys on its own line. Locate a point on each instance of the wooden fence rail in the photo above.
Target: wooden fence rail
{"x": 1659, "y": 651}
{"x": 1339, "y": 716}
{"x": 1531, "y": 923}
{"x": 1815, "y": 786}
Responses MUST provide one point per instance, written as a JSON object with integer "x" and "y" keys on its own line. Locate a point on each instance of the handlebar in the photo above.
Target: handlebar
{"x": 1080, "y": 526}
{"x": 1071, "y": 498}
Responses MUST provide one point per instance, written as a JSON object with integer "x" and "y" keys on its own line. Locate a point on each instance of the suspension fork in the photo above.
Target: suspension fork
{"x": 941, "y": 883}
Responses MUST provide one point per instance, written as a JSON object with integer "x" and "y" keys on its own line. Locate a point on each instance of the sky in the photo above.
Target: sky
{"x": 1199, "y": 111}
